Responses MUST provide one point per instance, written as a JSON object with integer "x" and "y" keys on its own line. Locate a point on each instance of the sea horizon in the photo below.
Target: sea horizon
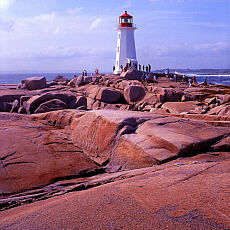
{"x": 217, "y": 76}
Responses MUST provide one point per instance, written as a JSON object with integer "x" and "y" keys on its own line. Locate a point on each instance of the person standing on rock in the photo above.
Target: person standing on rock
{"x": 113, "y": 68}
{"x": 143, "y": 67}
{"x": 190, "y": 82}
{"x": 147, "y": 69}
{"x": 84, "y": 73}
{"x": 150, "y": 68}
{"x": 140, "y": 67}
{"x": 194, "y": 79}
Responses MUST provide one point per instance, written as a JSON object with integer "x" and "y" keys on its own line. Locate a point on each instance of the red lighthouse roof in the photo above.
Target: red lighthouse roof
{"x": 126, "y": 20}
{"x": 126, "y": 15}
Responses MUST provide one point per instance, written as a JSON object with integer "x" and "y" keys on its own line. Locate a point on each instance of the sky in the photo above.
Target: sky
{"x": 72, "y": 35}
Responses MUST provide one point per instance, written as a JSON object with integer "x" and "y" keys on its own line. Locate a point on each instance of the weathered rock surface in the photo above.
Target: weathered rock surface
{"x": 170, "y": 170}
{"x": 33, "y": 155}
{"x": 130, "y": 140}
{"x": 34, "y": 102}
{"x": 185, "y": 194}
{"x": 51, "y": 105}
{"x": 77, "y": 102}
{"x": 134, "y": 93}
{"x": 222, "y": 110}
{"x": 108, "y": 96}
{"x": 9, "y": 95}
{"x": 180, "y": 107}
{"x": 79, "y": 81}
{"x": 61, "y": 80}
{"x": 15, "y": 106}
{"x": 33, "y": 83}
{"x": 47, "y": 150}
{"x": 132, "y": 75}
{"x": 5, "y": 107}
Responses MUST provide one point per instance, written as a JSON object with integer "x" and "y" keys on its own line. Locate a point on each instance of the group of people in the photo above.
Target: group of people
{"x": 145, "y": 68}
{"x": 148, "y": 78}
{"x": 95, "y": 71}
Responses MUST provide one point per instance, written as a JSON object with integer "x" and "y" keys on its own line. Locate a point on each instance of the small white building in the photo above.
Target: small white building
{"x": 126, "y": 50}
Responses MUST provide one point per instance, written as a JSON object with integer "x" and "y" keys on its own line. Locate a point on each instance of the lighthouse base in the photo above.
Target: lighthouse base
{"x": 117, "y": 71}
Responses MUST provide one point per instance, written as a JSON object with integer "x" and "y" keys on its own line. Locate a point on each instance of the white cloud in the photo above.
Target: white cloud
{"x": 95, "y": 24}
{"x": 56, "y": 41}
{"x": 6, "y": 25}
{"x": 75, "y": 10}
{"x": 128, "y": 4}
{"x": 5, "y": 4}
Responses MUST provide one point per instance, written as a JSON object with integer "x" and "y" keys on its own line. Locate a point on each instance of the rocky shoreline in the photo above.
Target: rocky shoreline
{"x": 161, "y": 147}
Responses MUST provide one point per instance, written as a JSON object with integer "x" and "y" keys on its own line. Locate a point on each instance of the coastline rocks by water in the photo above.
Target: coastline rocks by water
{"x": 116, "y": 92}
{"x": 181, "y": 107}
{"x": 41, "y": 148}
{"x": 33, "y": 83}
{"x": 61, "y": 80}
{"x": 51, "y": 105}
{"x": 132, "y": 75}
{"x": 108, "y": 95}
{"x": 134, "y": 93}
{"x": 163, "y": 163}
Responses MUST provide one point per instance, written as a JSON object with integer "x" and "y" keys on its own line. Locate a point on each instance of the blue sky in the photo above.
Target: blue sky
{"x": 72, "y": 35}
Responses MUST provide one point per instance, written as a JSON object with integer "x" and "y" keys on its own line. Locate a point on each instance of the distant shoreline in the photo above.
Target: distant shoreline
{"x": 221, "y": 77}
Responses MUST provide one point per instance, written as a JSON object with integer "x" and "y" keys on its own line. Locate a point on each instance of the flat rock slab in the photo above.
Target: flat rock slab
{"x": 180, "y": 196}
{"x": 180, "y": 107}
{"x": 128, "y": 140}
{"x": 33, "y": 154}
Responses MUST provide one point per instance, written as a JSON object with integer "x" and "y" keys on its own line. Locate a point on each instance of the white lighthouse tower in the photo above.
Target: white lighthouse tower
{"x": 126, "y": 51}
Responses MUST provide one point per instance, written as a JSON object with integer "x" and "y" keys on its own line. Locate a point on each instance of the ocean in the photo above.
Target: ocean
{"x": 222, "y": 79}
{"x": 15, "y": 78}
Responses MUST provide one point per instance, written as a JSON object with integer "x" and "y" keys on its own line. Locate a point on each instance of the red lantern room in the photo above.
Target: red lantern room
{"x": 126, "y": 20}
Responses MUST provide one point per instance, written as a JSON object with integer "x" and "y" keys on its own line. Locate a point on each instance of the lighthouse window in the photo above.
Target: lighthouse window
{"x": 126, "y": 20}
{"x": 118, "y": 49}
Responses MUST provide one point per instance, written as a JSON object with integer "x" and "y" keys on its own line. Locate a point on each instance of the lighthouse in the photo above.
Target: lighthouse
{"x": 126, "y": 51}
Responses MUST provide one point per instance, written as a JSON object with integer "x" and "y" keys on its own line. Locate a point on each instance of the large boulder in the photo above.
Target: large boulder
{"x": 132, "y": 75}
{"x": 32, "y": 155}
{"x": 77, "y": 102}
{"x": 134, "y": 93}
{"x": 72, "y": 82}
{"x": 222, "y": 110}
{"x": 33, "y": 103}
{"x": 167, "y": 95}
{"x": 123, "y": 84}
{"x": 51, "y": 105}
{"x": 61, "y": 80}
{"x": 11, "y": 95}
{"x": 129, "y": 140}
{"x": 33, "y": 83}
{"x": 226, "y": 99}
{"x": 181, "y": 107}
{"x": 150, "y": 99}
{"x": 108, "y": 95}
{"x": 79, "y": 81}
